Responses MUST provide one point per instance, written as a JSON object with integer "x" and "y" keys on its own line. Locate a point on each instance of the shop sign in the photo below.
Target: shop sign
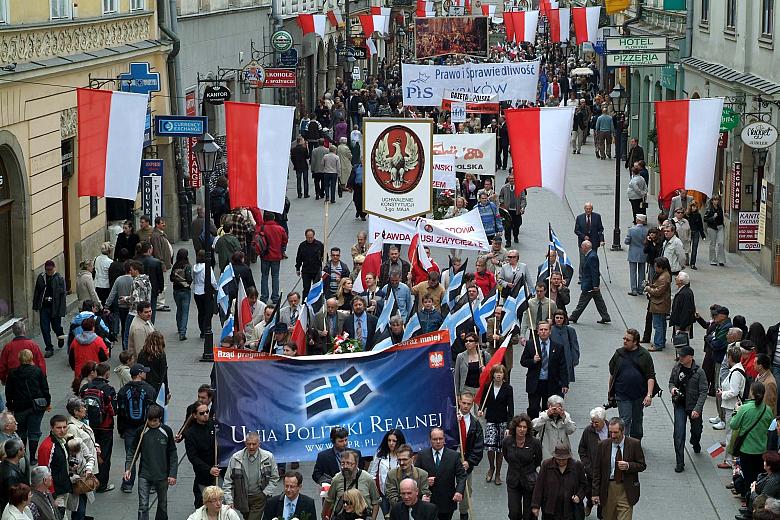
{"x": 736, "y": 186}
{"x": 747, "y": 231}
{"x": 280, "y": 78}
{"x": 729, "y": 119}
{"x": 281, "y": 41}
{"x": 759, "y": 135}
{"x": 151, "y": 187}
{"x": 216, "y": 94}
{"x": 191, "y": 109}
{"x": 723, "y": 140}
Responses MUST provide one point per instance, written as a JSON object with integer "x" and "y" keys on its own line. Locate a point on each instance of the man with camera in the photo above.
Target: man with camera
{"x": 688, "y": 388}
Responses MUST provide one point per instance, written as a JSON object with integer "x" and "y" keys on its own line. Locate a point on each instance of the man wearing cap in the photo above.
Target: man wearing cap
{"x": 688, "y": 388}
{"x": 278, "y": 341}
{"x": 715, "y": 343}
{"x": 637, "y": 259}
{"x": 49, "y": 301}
{"x": 133, "y": 400}
{"x": 561, "y": 485}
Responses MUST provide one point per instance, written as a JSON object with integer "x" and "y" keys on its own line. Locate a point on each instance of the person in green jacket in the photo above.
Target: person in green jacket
{"x": 752, "y": 421}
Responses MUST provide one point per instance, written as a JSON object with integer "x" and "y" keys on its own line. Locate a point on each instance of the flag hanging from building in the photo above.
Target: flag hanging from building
{"x": 488, "y": 10}
{"x": 586, "y": 23}
{"x": 525, "y": 23}
{"x": 313, "y": 23}
{"x": 257, "y": 171}
{"x": 110, "y": 142}
{"x": 560, "y": 25}
{"x": 335, "y": 18}
{"x": 510, "y": 26}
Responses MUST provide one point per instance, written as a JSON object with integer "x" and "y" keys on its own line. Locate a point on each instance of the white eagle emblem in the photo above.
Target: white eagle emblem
{"x": 397, "y": 164}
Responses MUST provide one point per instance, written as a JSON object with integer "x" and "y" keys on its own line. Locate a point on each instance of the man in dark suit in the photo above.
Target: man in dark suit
{"x": 360, "y": 319}
{"x": 329, "y": 461}
{"x": 635, "y": 153}
{"x": 291, "y": 504}
{"x": 616, "y": 470}
{"x": 547, "y": 373}
{"x": 588, "y": 226}
{"x": 446, "y": 475}
{"x": 590, "y": 281}
{"x": 411, "y": 506}
{"x": 472, "y": 444}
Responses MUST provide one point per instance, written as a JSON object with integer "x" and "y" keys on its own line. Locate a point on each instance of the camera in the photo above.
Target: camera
{"x": 611, "y": 403}
{"x": 678, "y": 396}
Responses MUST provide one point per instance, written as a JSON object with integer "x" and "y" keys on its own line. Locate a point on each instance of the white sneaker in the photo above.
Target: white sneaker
{"x": 720, "y": 426}
{"x": 714, "y": 420}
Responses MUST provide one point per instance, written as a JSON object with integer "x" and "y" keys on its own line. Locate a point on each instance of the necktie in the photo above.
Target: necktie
{"x": 539, "y": 307}
{"x": 543, "y": 353}
{"x": 462, "y": 425}
{"x": 410, "y": 514}
{"x": 437, "y": 459}
{"x": 618, "y": 471}
{"x": 587, "y": 224}
{"x": 290, "y": 511}
{"x": 359, "y": 328}
{"x": 293, "y": 315}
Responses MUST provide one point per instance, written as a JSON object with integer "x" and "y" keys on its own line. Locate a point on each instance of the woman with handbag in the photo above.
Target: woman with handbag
{"x": 523, "y": 454}
{"x": 27, "y": 396}
{"x": 749, "y": 426}
{"x": 80, "y": 464}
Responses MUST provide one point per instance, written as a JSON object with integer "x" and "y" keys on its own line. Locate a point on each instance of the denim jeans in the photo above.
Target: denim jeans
{"x": 182, "y": 299}
{"x": 144, "y": 487}
{"x": 272, "y": 267}
{"x": 632, "y": 413}
{"x": 680, "y": 418}
{"x": 331, "y": 179}
{"x": 130, "y": 438}
{"x": 49, "y": 323}
{"x": 659, "y": 327}
{"x": 29, "y": 429}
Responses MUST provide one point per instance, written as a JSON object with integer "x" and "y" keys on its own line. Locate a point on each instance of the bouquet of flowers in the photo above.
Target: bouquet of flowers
{"x": 343, "y": 344}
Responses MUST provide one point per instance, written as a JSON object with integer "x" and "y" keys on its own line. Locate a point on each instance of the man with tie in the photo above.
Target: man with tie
{"x": 290, "y": 312}
{"x": 329, "y": 322}
{"x": 588, "y": 226}
{"x": 329, "y": 461}
{"x": 291, "y": 504}
{"x": 411, "y": 507}
{"x": 540, "y": 308}
{"x": 616, "y": 470}
{"x": 360, "y": 325}
{"x": 547, "y": 373}
{"x": 446, "y": 475}
{"x": 472, "y": 444}
{"x": 590, "y": 281}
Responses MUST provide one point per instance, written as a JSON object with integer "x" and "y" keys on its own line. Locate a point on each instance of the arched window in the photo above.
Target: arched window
{"x": 6, "y": 269}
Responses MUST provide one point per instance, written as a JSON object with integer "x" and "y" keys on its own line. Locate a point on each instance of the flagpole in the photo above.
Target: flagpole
{"x": 216, "y": 456}
{"x": 484, "y": 397}
{"x": 325, "y": 239}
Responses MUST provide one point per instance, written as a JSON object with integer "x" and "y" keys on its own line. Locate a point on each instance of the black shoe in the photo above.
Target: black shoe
{"x": 679, "y": 468}
{"x": 697, "y": 448}
{"x": 517, "y": 239}
{"x": 744, "y": 511}
{"x": 60, "y": 342}
{"x": 604, "y": 322}
{"x": 694, "y": 268}
{"x": 305, "y": 196}
{"x": 722, "y": 264}
{"x": 300, "y": 196}
{"x": 509, "y": 244}
{"x": 573, "y": 320}
{"x": 182, "y": 337}
{"x": 49, "y": 353}
{"x": 363, "y": 218}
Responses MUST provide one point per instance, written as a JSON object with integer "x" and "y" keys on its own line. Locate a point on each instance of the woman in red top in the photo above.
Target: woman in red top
{"x": 484, "y": 279}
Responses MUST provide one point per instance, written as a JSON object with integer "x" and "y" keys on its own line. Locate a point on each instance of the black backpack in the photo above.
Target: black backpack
{"x": 262, "y": 242}
{"x": 748, "y": 383}
{"x": 98, "y": 407}
{"x": 133, "y": 404}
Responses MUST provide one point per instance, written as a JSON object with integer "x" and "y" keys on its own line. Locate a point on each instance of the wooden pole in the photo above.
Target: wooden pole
{"x": 216, "y": 455}
{"x": 484, "y": 400}
{"x": 184, "y": 426}
{"x": 325, "y": 233}
{"x": 138, "y": 447}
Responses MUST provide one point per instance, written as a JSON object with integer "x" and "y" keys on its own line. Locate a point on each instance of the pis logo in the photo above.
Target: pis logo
{"x": 416, "y": 92}
{"x": 436, "y": 359}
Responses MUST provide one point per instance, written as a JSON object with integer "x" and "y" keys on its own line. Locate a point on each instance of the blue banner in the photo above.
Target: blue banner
{"x": 294, "y": 402}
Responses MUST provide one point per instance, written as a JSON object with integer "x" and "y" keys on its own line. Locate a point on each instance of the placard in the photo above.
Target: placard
{"x": 747, "y": 231}
{"x": 474, "y": 153}
{"x": 444, "y": 177}
{"x": 458, "y": 112}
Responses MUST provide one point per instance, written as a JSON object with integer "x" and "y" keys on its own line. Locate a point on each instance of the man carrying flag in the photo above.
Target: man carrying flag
{"x": 420, "y": 259}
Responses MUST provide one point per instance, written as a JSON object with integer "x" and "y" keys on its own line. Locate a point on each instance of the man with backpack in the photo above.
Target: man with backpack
{"x": 734, "y": 390}
{"x": 133, "y": 401}
{"x": 100, "y": 401}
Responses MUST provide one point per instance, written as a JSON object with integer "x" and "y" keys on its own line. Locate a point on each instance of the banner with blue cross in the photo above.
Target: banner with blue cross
{"x": 294, "y": 402}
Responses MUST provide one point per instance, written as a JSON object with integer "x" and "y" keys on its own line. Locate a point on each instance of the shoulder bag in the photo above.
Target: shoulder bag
{"x": 739, "y": 438}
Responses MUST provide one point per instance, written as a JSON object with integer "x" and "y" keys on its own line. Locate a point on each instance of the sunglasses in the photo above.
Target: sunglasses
{"x": 203, "y": 413}
{"x": 347, "y": 502}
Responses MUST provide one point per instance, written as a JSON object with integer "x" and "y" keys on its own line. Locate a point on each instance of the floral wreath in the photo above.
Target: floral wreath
{"x": 342, "y": 344}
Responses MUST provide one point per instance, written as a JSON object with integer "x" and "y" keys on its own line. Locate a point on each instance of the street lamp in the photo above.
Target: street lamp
{"x": 618, "y": 100}
{"x": 206, "y": 154}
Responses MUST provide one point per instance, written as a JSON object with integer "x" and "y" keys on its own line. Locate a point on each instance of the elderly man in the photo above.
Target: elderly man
{"x": 411, "y": 506}
{"x": 683, "y": 313}
{"x": 345, "y": 159}
{"x": 593, "y": 434}
{"x": 8, "y": 427}
{"x": 361, "y": 246}
{"x": 329, "y": 321}
{"x": 494, "y": 258}
{"x": 588, "y": 227}
{"x": 616, "y": 470}
{"x": 11, "y": 469}
{"x": 590, "y": 285}
{"x": 331, "y": 167}
{"x": 42, "y": 503}
{"x": 350, "y": 475}
{"x": 260, "y": 478}
{"x": 673, "y": 248}
{"x": 554, "y": 426}
{"x": 637, "y": 259}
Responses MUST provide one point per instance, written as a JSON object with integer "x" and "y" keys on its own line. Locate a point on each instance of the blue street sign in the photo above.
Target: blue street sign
{"x": 148, "y": 128}
{"x": 289, "y": 58}
{"x": 140, "y": 80}
{"x": 180, "y": 126}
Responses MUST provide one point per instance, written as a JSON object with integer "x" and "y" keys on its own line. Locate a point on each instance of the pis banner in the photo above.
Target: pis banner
{"x": 293, "y": 403}
{"x": 474, "y": 153}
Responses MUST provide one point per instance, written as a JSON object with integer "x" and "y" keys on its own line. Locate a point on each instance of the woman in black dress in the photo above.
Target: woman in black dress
{"x": 523, "y": 454}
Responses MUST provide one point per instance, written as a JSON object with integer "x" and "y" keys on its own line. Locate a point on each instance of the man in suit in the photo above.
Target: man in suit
{"x": 329, "y": 461}
{"x": 411, "y": 506}
{"x": 472, "y": 444}
{"x": 290, "y": 312}
{"x": 635, "y": 153}
{"x": 329, "y": 321}
{"x": 291, "y": 504}
{"x": 446, "y": 475}
{"x": 589, "y": 284}
{"x": 637, "y": 259}
{"x": 540, "y": 308}
{"x": 588, "y": 226}
{"x": 616, "y": 470}
{"x": 360, "y": 325}
{"x": 406, "y": 470}
{"x": 547, "y": 373}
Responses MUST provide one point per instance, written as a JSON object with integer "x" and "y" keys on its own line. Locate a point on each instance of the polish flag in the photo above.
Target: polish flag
{"x": 586, "y": 23}
{"x": 544, "y": 7}
{"x": 510, "y": 27}
{"x": 244, "y": 309}
{"x": 313, "y": 23}
{"x": 484, "y": 377}
{"x": 381, "y": 11}
{"x": 257, "y": 172}
{"x": 538, "y": 140}
{"x": 488, "y": 10}
{"x": 418, "y": 258}
{"x": 110, "y": 140}
{"x": 335, "y": 18}
{"x": 298, "y": 335}
{"x": 560, "y": 25}
{"x": 688, "y": 143}
{"x": 525, "y": 23}
{"x": 371, "y": 264}
{"x": 425, "y": 9}
{"x": 374, "y": 23}
{"x": 715, "y": 450}
{"x": 371, "y": 47}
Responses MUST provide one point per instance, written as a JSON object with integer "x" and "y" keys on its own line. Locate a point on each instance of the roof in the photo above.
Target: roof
{"x": 719, "y": 71}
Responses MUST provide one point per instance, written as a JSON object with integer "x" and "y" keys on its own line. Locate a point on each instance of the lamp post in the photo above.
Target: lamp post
{"x": 206, "y": 153}
{"x": 617, "y": 101}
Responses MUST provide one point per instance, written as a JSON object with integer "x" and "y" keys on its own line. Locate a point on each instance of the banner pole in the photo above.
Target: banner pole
{"x": 216, "y": 456}
{"x": 325, "y": 237}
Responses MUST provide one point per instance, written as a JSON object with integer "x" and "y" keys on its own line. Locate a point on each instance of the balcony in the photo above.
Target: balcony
{"x": 192, "y": 7}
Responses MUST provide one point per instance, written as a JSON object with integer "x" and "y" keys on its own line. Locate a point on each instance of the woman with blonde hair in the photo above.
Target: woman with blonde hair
{"x": 153, "y": 356}
{"x": 102, "y": 264}
{"x": 355, "y": 507}
{"x": 213, "y": 508}
{"x": 344, "y": 294}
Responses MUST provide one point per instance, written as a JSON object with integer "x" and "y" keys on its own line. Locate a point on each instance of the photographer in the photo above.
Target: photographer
{"x": 688, "y": 388}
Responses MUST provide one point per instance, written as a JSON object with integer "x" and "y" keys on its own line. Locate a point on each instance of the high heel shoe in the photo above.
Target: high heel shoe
{"x": 489, "y": 476}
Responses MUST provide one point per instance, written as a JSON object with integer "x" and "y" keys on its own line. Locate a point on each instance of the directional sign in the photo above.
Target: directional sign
{"x": 636, "y": 43}
{"x": 180, "y": 126}
{"x": 637, "y": 59}
{"x": 729, "y": 119}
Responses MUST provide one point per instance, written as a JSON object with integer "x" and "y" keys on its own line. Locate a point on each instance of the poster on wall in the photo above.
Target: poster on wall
{"x": 747, "y": 231}
{"x": 398, "y": 164}
{"x": 451, "y": 35}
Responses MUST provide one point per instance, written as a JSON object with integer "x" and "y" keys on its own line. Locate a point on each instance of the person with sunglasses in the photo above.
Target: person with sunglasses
{"x": 199, "y": 443}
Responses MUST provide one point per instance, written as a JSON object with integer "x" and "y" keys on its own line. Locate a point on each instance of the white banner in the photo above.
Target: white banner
{"x": 464, "y": 232}
{"x": 424, "y": 85}
{"x": 458, "y": 112}
{"x": 474, "y": 153}
{"x": 468, "y": 97}
{"x": 444, "y": 172}
{"x": 397, "y": 167}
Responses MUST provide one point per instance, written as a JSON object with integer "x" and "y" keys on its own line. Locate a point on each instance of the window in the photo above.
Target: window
{"x": 767, "y": 17}
{"x": 4, "y": 11}
{"x": 705, "y": 11}
{"x": 110, "y": 6}
{"x": 60, "y": 9}
{"x": 731, "y": 14}
{"x": 137, "y": 5}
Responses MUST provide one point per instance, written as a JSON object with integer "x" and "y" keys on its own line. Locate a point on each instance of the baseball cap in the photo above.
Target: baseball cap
{"x": 686, "y": 351}
{"x": 137, "y": 369}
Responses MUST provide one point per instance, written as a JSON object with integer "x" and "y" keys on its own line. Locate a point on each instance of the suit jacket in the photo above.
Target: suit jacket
{"x": 286, "y": 311}
{"x": 393, "y": 481}
{"x": 349, "y": 327}
{"x": 420, "y": 511}
{"x": 319, "y": 321}
{"x": 275, "y": 507}
{"x": 635, "y": 153}
{"x": 636, "y": 243}
{"x": 450, "y": 477}
{"x": 596, "y": 233}
{"x": 602, "y": 465}
{"x": 557, "y": 372}
{"x": 475, "y": 443}
{"x": 548, "y": 308}
{"x": 327, "y": 466}
{"x": 591, "y": 273}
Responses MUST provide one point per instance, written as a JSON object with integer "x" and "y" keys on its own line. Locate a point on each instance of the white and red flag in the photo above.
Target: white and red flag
{"x": 509, "y": 25}
{"x": 488, "y": 10}
{"x": 371, "y": 46}
{"x": 539, "y": 141}
{"x": 372, "y": 23}
{"x": 335, "y": 18}
{"x": 560, "y": 24}
{"x": 525, "y": 23}
{"x": 243, "y": 307}
{"x": 484, "y": 377}
{"x": 256, "y": 168}
{"x": 313, "y": 23}
{"x": 110, "y": 140}
{"x": 586, "y": 23}
{"x": 425, "y": 9}
{"x": 298, "y": 335}
{"x": 371, "y": 264}
{"x": 382, "y": 11}
{"x": 418, "y": 258}
{"x": 688, "y": 143}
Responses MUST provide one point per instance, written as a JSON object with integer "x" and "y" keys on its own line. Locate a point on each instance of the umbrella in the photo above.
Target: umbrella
{"x": 582, "y": 71}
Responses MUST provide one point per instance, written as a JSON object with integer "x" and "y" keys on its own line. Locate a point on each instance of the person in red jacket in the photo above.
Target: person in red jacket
{"x": 9, "y": 357}
{"x": 418, "y": 273}
{"x": 87, "y": 346}
{"x": 275, "y": 241}
{"x": 484, "y": 279}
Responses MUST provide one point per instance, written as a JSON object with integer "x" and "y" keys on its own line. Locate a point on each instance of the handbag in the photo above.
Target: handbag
{"x": 739, "y": 439}
{"x": 85, "y": 484}
{"x": 39, "y": 403}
